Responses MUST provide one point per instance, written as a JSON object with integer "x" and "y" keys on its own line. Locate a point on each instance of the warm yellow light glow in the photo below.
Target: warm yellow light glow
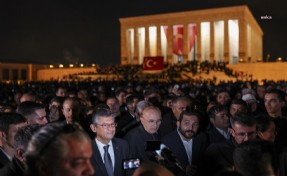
{"x": 279, "y": 59}
{"x": 71, "y": 65}
{"x": 81, "y": 65}
{"x": 241, "y": 60}
{"x": 61, "y": 66}
{"x": 51, "y": 66}
{"x": 93, "y": 65}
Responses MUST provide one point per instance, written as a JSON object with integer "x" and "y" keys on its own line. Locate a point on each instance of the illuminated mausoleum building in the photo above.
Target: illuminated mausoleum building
{"x": 229, "y": 34}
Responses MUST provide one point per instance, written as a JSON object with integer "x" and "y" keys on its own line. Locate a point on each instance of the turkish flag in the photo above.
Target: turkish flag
{"x": 191, "y": 35}
{"x": 178, "y": 39}
{"x": 153, "y": 63}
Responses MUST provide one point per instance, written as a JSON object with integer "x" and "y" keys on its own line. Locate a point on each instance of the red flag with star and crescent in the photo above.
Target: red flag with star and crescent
{"x": 153, "y": 63}
{"x": 178, "y": 39}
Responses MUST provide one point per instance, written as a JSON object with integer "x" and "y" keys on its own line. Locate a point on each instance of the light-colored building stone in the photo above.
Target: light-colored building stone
{"x": 229, "y": 34}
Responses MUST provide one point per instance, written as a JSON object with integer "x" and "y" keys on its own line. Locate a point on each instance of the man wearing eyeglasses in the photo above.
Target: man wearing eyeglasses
{"x": 108, "y": 152}
{"x": 219, "y": 156}
{"x": 146, "y": 131}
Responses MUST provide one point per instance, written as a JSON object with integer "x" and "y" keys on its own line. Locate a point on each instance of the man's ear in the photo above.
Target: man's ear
{"x": 93, "y": 128}
{"x": 211, "y": 120}
{"x": 20, "y": 154}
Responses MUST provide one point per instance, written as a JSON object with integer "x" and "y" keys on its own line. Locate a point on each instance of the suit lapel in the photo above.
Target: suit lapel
{"x": 97, "y": 159}
{"x": 117, "y": 154}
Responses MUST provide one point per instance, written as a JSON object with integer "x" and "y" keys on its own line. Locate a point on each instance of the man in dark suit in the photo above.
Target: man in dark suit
{"x": 146, "y": 131}
{"x": 186, "y": 144}
{"x": 170, "y": 118}
{"x": 9, "y": 124}
{"x": 218, "y": 130}
{"x": 108, "y": 152}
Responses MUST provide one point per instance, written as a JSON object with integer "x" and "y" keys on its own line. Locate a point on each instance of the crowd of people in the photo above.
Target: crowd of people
{"x": 169, "y": 73}
{"x": 173, "y": 128}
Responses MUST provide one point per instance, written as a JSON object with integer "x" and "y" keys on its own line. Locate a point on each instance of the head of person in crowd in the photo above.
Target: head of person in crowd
{"x": 237, "y": 105}
{"x": 219, "y": 117}
{"x": 251, "y": 102}
{"x": 223, "y": 97}
{"x": 152, "y": 169}
{"x": 120, "y": 94}
{"x": 35, "y": 113}
{"x": 140, "y": 107}
{"x": 243, "y": 127}
{"x": 260, "y": 91}
{"x": 61, "y": 91}
{"x": 131, "y": 102}
{"x": 188, "y": 124}
{"x": 256, "y": 157}
{"x": 274, "y": 101}
{"x": 113, "y": 104}
{"x": 72, "y": 109}
{"x": 59, "y": 149}
{"x": 180, "y": 104}
{"x": 167, "y": 101}
{"x": 17, "y": 97}
{"x": 265, "y": 127}
{"x": 245, "y": 91}
{"x": 9, "y": 125}
{"x": 55, "y": 109}
{"x": 83, "y": 94}
{"x": 22, "y": 138}
{"x": 152, "y": 95}
{"x": 103, "y": 124}
{"x": 210, "y": 105}
{"x": 151, "y": 119}
{"x": 28, "y": 96}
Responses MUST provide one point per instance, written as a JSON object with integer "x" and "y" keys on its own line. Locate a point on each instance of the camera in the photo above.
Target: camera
{"x": 131, "y": 163}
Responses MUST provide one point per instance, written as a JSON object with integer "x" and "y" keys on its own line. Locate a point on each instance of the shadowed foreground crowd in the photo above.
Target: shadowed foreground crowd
{"x": 119, "y": 128}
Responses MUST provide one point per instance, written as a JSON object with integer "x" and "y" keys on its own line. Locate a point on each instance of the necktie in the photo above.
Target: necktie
{"x": 108, "y": 161}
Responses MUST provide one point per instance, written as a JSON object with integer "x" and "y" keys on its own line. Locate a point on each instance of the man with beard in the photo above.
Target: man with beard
{"x": 186, "y": 143}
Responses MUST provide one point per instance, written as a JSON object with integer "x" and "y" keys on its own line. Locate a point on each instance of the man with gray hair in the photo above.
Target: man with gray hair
{"x": 108, "y": 152}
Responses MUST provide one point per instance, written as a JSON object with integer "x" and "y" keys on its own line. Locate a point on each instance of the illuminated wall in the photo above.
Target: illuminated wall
{"x": 141, "y": 44}
{"x": 130, "y": 45}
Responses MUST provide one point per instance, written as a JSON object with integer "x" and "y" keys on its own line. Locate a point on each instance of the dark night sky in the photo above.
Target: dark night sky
{"x": 88, "y": 31}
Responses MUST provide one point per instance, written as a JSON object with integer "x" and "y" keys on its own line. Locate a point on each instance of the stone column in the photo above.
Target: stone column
{"x": 198, "y": 41}
{"x": 123, "y": 46}
{"x": 211, "y": 41}
{"x": 170, "y": 44}
{"x": 242, "y": 39}
{"x": 147, "y": 52}
{"x": 136, "y": 46}
{"x": 185, "y": 43}
{"x": 226, "y": 41}
{"x": 158, "y": 41}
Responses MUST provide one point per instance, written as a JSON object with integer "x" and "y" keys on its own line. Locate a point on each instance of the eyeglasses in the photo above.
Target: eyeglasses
{"x": 245, "y": 134}
{"x": 106, "y": 126}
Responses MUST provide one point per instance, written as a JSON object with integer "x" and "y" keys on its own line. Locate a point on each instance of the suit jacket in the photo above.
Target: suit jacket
{"x": 3, "y": 159}
{"x": 214, "y": 136}
{"x": 13, "y": 168}
{"x": 121, "y": 152}
{"x": 175, "y": 144}
{"x": 137, "y": 138}
{"x": 168, "y": 124}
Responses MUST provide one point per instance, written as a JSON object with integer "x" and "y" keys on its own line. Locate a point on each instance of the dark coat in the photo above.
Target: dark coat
{"x": 3, "y": 159}
{"x": 13, "y": 168}
{"x": 214, "y": 136}
{"x": 175, "y": 144}
{"x": 121, "y": 152}
{"x": 137, "y": 138}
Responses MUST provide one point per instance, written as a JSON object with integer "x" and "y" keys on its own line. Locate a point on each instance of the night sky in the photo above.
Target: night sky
{"x": 86, "y": 31}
